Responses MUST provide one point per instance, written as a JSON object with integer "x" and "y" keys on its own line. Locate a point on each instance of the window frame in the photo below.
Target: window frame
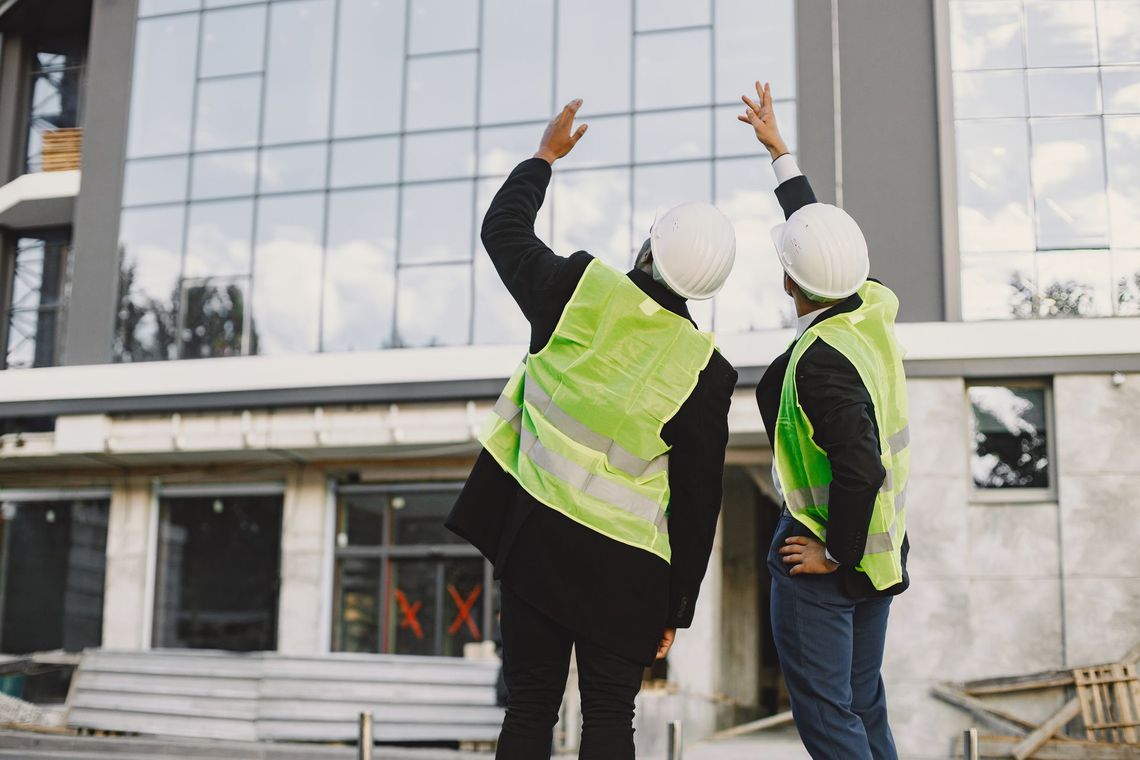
{"x": 385, "y": 552}
{"x": 996, "y": 496}
{"x": 63, "y": 236}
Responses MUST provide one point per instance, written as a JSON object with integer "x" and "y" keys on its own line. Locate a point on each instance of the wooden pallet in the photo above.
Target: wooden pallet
{"x": 62, "y": 150}
{"x": 1110, "y": 701}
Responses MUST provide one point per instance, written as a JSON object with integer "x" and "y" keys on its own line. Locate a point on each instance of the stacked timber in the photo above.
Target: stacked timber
{"x": 62, "y": 149}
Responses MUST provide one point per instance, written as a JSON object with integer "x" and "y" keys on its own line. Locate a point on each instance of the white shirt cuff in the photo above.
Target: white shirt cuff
{"x": 827, "y": 554}
{"x": 786, "y": 168}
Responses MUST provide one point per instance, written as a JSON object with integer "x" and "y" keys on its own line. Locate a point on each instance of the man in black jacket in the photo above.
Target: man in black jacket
{"x": 562, "y": 583}
{"x": 828, "y": 619}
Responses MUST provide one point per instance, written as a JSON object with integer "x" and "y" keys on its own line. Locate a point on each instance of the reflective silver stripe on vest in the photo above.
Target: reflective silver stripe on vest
{"x": 878, "y": 543}
{"x": 899, "y": 440}
{"x": 808, "y": 496}
{"x": 509, "y": 412}
{"x": 616, "y": 454}
{"x": 583, "y": 480}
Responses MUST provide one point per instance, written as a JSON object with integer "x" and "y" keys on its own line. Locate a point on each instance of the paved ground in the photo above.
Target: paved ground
{"x": 29, "y": 746}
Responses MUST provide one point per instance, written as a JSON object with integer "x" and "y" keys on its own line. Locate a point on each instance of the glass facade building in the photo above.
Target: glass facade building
{"x": 310, "y": 175}
{"x": 1047, "y": 118}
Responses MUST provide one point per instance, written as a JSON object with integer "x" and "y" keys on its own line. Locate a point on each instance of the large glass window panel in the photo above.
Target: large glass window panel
{"x": 38, "y": 278}
{"x": 1121, "y": 90}
{"x": 594, "y": 38}
{"x": 219, "y": 239}
{"x": 228, "y": 113}
{"x": 434, "y": 306}
{"x": 672, "y": 135}
{"x": 423, "y": 611}
{"x": 287, "y": 274}
{"x": 1069, "y": 183}
{"x": 213, "y": 318}
{"x": 607, "y": 143}
{"x": 983, "y": 94}
{"x": 497, "y": 316}
{"x": 668, "y": 14}
{"x": 659, "y": 188}
{"x": 1123, "y": 152}
{"x": 436, "y": 222}
{"x": 754, "y": 40}
{"x": 418, "y": 517}
{"x": 1009, "y": 426}
{"x": 753, "y": 297}
{"x": 734, "y": 138}
{"x": 154, "y": 7}
{"x": 155, "y": 180}
{"x": 223, "y": 175}
{"x": 373, "y": 161}
{"x": 360, "y": 520}
{"x": 998, "y": 286}
{"x": 503, "y": 148}
{"x": 1074, "y": 284}
{"x": 673, "y": 69}
{"x": 150, "y": 243}
{"x": 369, "y": 67}
{"x": 516, "y": 60}
{"x": 592, "y": 212}
{"x": 986, "y": 34}
{"x": 993, "y": 186}
{"x": 162, "y": 91}
{"x": 1060, "y": 33}
{"x": 297, "y": 80}
{"x": 218, "y": 573}
{"x": 293, "y": 168}
{"x": 442, "y": 25}
{"x": 54, "y": 559}
{"x": 439, "y": 155}
{"x": 1126, "y": 283}
{"x": 441, "y": 91}
{"x": 233, "y": 41}
{"x": 360, "y": 270}
{"x": 1064, "y": 92}
{"x": 1119, "y": 30}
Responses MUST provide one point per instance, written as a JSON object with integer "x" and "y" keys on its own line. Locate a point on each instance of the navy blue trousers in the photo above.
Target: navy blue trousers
{"x": 831, "y": 651}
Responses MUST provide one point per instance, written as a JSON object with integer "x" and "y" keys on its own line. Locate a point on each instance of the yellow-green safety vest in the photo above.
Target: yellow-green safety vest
{"x": 866, "y": 336}
{"x": 579, "y": 423}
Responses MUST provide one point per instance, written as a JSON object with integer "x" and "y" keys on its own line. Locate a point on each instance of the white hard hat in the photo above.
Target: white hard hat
{"x": 694, "y": 248}
{"x": 823, "y": 250}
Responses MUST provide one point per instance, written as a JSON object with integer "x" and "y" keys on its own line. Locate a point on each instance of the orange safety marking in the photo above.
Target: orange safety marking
{"x": 464, "y": 606}
{"x": 409, "y": 612}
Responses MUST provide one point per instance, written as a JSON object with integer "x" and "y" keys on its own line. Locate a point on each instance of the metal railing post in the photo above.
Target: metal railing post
{"x": 970, "y": 744}
{"x": 676, "y": 737}
{"x": 364, "y": 744}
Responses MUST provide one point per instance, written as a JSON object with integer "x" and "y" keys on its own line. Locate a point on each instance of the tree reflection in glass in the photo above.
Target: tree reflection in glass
{"x": 1010, "y": 440}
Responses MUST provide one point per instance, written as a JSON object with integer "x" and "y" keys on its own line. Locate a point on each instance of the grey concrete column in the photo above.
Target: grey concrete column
{"x": 888, "y": 157}
{"x": 13, "y": 107}
{"x": 90, "y": 322}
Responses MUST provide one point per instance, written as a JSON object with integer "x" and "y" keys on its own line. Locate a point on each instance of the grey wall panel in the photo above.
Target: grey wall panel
{"x": 13, "y": 106}
{"x": 90, "y": 321}
{"x": 890, "y": 146}
{"x": 816, "y": 116}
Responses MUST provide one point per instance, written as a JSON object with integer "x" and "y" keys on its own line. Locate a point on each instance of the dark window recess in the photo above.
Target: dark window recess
{"x": 1010, "y": 437}
{"x": 218, "y": 573}
{"x": 35, "y": 299}
{"x": 54, "y": 557}
{"x": 405, "y": 584}
{"x": 56, "y": 89}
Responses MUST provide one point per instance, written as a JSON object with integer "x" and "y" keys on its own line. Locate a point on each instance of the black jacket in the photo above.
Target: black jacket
{"x": 604, "y": 591}
{"x": 843, "y": 417}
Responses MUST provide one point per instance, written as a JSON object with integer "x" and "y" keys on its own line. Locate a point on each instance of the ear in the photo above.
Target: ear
{"x": 789, "y": 285}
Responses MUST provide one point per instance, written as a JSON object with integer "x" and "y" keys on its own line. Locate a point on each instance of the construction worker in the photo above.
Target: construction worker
{"x": 597, "y": 492}
{"x": 835, "y": 408}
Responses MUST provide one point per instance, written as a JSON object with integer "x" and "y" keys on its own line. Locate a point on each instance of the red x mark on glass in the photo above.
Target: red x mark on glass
{"x": 409, "y": 611}
{"x": 464, "y": 606}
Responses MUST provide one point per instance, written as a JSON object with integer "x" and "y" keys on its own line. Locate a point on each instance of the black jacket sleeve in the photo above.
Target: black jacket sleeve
{"x": 794, "y": 195}
{"x": 539, "y": 280}
{"x": 843, "y": 419}
{"x": 699, "y": 436}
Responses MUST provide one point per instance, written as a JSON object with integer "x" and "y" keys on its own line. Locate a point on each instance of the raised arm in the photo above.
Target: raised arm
{"x": 793, "y": 190}
{"x": 523, "y": 261}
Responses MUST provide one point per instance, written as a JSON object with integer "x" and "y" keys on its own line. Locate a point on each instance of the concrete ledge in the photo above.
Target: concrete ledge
{"x": 43, "y": 199}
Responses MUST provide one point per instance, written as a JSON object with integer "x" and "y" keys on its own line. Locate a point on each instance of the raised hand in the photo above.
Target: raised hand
{"x": 762, "y": 119}
{"x": 558, "y": 140}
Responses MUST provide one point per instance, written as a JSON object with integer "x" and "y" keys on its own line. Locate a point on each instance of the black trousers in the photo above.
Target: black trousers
{"x": 536, "y": 661}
